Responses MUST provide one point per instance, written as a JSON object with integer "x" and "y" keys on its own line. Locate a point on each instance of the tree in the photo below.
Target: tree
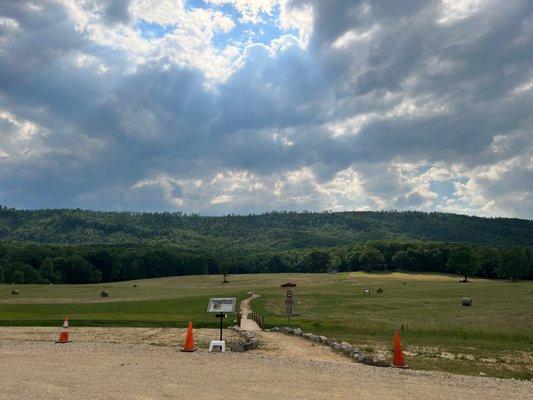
{"x": 400, "y": 260}
{"x": 1, "y": 274}
{"x": 319, "y": 261}
{"x": 336, "y": 264}
{"x": 489, "y": 262}
{"x": 28, "y": 273}
{"x": 223, "y": 267}
{"x": 371, "y": 259}
{"x": 48, "y": 271}
{"x": 353, "y": 260}
{"x": 200, "y": 264}
{"x": 276, "y": 264}
{"x": 17, "y": 276}
{"x": 75, "y": 269}
{"x": 338, "y": 261}
{"x": 104, "y": 261}
{"x": 513, "y": 263}
{"x": 463, "y": 261}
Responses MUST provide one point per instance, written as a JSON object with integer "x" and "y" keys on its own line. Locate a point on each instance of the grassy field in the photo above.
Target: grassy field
{"x": 494, "y": 336}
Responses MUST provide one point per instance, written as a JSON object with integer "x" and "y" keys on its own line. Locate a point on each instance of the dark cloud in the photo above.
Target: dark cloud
{"x": 382, "y": 88}
{"x": 117, "y": 11}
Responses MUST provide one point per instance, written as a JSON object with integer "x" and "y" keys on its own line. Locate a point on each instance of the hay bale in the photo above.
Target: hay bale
{"x": 104, "y": 293}
{"x": 14, "y": 292}
{"x": 467, "y": 301}
{"x": 380, "y": 290}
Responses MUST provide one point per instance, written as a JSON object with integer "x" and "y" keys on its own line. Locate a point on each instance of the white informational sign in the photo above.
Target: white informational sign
{"x": 222, "y": 305}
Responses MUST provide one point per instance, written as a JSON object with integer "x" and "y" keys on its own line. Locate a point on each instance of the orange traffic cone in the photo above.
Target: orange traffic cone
{"x": 63, "y": 336}
{"x": 398, "y": 361}
{"x": 189, "y": 340}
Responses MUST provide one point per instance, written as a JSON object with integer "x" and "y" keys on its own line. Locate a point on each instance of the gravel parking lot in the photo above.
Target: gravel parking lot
{"x": 126, "y": 366}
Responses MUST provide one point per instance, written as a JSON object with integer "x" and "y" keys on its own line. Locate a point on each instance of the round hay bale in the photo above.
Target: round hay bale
{"x": 467, "y": 301}
{"x": 14, "y": 292}
{"x": 104, "y": 293}
{"x": 380, "y": 290}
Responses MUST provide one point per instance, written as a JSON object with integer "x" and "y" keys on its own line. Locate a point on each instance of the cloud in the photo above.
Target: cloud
{"x": 342, "y": 105}
{"x": 117, "y": 11}
{"x": 250, "y": 10}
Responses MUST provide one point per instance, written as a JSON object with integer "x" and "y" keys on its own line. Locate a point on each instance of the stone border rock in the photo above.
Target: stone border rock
{"x": 248, "y": 340}
{"x": 344, "y": 347}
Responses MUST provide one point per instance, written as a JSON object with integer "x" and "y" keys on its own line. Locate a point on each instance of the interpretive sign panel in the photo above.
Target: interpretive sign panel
{"x": 222, "y": 305}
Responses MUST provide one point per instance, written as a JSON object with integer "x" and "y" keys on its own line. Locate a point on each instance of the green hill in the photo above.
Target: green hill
{"x": 76, "y": 246}
{"x": 276, "y": 230}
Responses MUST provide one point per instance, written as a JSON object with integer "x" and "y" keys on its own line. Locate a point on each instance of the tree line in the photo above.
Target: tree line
{"x": 24, "y": 262}
{"x": 269, "y": 231}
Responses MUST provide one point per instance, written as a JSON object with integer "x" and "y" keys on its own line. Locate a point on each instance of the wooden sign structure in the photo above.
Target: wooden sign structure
{"x": 221, "y": 306}
{"x": 289, "y": 299}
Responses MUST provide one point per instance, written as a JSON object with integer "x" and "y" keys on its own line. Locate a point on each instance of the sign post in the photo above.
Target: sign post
{"x": 221, "y": 306}
{"x": 288, "y": 299}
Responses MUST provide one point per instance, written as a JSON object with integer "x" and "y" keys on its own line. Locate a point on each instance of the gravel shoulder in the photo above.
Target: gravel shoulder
{"x": 139, "y": 363}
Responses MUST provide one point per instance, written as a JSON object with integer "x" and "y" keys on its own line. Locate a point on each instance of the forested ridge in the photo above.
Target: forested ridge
{"x": 78, "y": 246}
{"x": 276, "y": 229}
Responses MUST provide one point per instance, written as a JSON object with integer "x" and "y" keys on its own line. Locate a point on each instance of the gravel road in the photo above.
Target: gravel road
{"x": 130, "y": 368}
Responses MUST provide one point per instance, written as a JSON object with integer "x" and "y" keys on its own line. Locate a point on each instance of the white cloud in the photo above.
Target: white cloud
{"x": 410, "y": 106}
{"x": 456, "y": 10}
{"x": 251, "y": 10}
{"x": 355, "y": 35}
{"x": 297, "y": 17}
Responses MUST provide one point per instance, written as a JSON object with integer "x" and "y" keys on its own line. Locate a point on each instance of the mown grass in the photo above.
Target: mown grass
{"x": 497, "y": 327}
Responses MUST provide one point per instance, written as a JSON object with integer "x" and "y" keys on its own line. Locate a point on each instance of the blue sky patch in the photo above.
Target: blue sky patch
{"x": 150, "y": 30}
{"x": 442, "y": 188}
{"x": 263, "y": 32}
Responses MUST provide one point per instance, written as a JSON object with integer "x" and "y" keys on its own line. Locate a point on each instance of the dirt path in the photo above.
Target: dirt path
{"x": 284, "y": 345}
{"x": 248, "y": 324}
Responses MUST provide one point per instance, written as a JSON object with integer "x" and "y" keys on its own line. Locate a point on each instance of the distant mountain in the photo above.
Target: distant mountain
{"x": 275, "y": 230}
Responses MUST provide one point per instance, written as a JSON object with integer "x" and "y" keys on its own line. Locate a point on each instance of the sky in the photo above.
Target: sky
{"x": 246, "y": 106}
